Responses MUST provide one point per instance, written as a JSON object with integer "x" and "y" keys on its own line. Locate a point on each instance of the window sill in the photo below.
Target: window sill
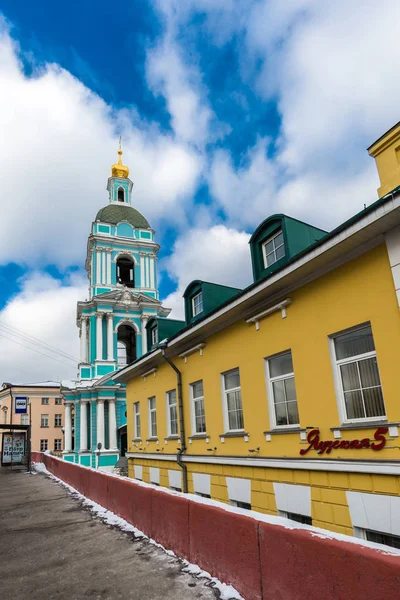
{"x": 233, "y": 434}
{"x": 199, "y": 436}
{"x": 173, "y": 437}
{"x": 44, "y": 426}
{"x": 282, "y": 430}
{"x": 152, "y": 439}
{"x": 365, "y": 425}
{"x": 137, "y": 440}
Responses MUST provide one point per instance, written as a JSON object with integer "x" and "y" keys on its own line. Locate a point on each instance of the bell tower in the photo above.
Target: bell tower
{"x": 123, "y": 294}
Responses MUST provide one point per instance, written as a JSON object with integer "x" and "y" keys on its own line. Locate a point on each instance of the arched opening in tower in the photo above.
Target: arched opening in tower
{"x": 126, "y": 345}
{"x": 126, "y": 271}
{"x": 121, "y": 195}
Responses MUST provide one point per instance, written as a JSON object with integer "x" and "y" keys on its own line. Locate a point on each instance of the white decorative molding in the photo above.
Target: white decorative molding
{"x": 192, "y": 351}
{"x": 269, "y": 311}
{"x": 151, "y": 371}
{"x": 293, "y": 498}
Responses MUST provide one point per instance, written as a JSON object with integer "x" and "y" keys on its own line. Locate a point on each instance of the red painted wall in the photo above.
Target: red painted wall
{"x": 262, "y": 561}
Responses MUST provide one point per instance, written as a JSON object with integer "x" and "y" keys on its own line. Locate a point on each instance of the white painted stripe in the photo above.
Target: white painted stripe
{"x": 335, "y": 466}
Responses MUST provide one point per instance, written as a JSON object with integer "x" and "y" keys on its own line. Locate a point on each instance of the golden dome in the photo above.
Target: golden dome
{"x": 119, "y": 170}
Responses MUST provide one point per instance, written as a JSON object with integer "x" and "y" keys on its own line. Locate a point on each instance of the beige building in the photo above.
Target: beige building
{"x": 47, "y": 412}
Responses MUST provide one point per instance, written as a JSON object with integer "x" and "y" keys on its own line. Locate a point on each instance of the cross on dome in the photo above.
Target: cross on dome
{"x": 118, "y": 169}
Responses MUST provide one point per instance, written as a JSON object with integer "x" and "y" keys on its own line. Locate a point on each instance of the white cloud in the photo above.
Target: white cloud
{"x": 44, "y": 309}
{"x": 59, "y": 141}
{"x": 218, "y": 254}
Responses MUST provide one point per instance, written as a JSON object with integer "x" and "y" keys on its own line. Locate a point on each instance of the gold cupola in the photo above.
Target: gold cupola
{"x": 119, "y": 170}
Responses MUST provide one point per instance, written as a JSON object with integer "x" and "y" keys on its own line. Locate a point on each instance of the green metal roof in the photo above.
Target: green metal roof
{"x": 115, "y": 213}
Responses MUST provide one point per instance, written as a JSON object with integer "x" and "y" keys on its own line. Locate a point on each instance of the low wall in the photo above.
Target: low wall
{"x": 263, "y": 561}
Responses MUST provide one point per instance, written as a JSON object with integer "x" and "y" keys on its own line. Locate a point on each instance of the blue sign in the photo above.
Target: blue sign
{"x": 21, "y": 405}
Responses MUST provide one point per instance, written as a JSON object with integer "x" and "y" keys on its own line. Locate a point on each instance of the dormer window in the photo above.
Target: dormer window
{"x": 154, "y": 336}
{"x": 197, "y": 304}
{"x": 273, "y": 249}
{"x": 121, "y": 195}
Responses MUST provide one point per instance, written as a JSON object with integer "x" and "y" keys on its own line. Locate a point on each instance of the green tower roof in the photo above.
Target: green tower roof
{"x": 114, "y": 214}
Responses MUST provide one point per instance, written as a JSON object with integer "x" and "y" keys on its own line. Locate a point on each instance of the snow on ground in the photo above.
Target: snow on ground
{"x": 227, "y": 592}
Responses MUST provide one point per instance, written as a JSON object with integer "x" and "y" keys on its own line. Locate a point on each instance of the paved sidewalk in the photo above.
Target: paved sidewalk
{"x": 52, "y": 548}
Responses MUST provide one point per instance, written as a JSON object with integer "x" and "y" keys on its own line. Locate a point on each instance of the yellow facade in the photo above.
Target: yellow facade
{"x": 359, "y": 291}
{"x": 386, "y": 152}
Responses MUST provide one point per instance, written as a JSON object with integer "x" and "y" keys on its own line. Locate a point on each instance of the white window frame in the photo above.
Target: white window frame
{"x": 270, "y": 392}
{"x": 58, "y": 401}
{"x": 225, "y": 400}
{"x": 46, "y": 420}
{"x": 337, "y": 376}
{"x": 42, "y": 443}
{"x": 24, "y": 419}
{"x": 151, "y": 411}
{"x": 154, "y": 336}
{"x": 60, "y": 448}
{"x": 59, "y": 420}
{"x": 264, "y": 246}
{"x": 136, "y": 419}
{"x": 195, "y": 310}
{"x": 193, "y": 401}
{"x": 169, "y": 406}
{"x": 45, "y": 403}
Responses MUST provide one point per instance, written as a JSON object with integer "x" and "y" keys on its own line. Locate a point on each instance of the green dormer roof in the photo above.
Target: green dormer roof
{"x": 115, "y": 213}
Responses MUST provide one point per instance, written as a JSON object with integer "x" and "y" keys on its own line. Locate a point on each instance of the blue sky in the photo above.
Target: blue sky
{"x": 229, "y": 112}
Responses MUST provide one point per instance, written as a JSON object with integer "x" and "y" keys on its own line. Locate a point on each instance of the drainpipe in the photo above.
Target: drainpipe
{"x": 183, "y": 447}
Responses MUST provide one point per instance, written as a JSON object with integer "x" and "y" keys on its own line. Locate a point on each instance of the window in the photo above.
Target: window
{"x": 172, "y": 413}
{"x": 197, "y": 304}
{"x": 240, "y": 504}
{"x": 198, "y": 413}
{"x": 57, "y": 445}
{"x": 152, "y": 417}
{"x": 175, "y": 489}
{"x": 233, "y": 400}
{"x": 58, "y": 401}
{"x": 296, "y": 517}
{"x": 24, "y": 419}
{"x": 126, "y": 345}
{"x": 282, "y": 391}
{"x": 273, "y": 249}
{"x": 43, "y": 445}
{"x": 45, "y": 400}
{"x": 57, "y": 420}
{"x": 44, "y": 420}
{"x": 202, "y": 495}
{"x": 136, "y": 419}
{"x": 121, "y": 195}
{"x": 382, "y": 538}
{"x": 358, "y": 374}
{"x": 126, "y": 271}
{"x": 154, "y": 336}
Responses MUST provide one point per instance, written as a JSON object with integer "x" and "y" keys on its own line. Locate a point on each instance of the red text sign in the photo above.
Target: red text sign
{"x": 315, "y": 443}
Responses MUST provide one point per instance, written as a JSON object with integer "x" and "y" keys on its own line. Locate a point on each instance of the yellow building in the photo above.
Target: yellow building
{"x": 284, "y": 397}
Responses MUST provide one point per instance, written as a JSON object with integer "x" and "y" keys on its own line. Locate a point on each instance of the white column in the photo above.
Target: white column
{"x": 100, "y": 422}
{"x": 99, "y": 336}
{"x": 144, "y": 320}
{"x": 141, "y": 270}
{"x": 147, "y": 271}
{"x": 112, "y": 425}
{"x": 83, "y": 334}
{"x": 84, "y": 437}
{"x": 68, "y": 429}
{"x": 98, "y": 255}
{"x": 110, "y": 337}
{"x": 103, "y": 267}
{"x": 108, "y": 267}
{"x": 152, "y": 267}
